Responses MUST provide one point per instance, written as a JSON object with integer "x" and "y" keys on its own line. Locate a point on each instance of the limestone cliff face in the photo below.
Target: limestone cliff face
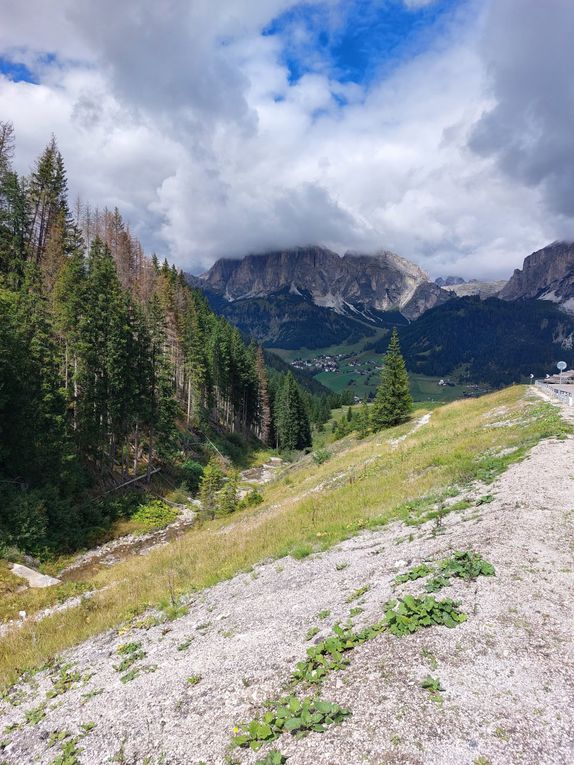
{"x": 354, "y": 283}
{"x": 547, "y": 274}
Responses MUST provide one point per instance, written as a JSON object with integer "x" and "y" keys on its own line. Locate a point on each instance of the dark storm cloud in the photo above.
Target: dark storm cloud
{"x": 529, "y": 58}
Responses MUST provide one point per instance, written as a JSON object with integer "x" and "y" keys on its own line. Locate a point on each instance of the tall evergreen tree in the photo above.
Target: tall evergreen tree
{"x": 291, "y": 419}
{"x": 393, "y": 402}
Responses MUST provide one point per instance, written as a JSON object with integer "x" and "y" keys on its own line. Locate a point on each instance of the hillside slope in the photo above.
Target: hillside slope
{"x": 491, "y": 340}
{"x": 506, "y": 672}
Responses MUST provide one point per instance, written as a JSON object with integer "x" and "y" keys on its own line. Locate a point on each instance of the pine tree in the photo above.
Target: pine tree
{"x": 393, "y": 402}
{"x": 48, "y": 198}
{"x": 291, "y": 419}
{"x": 211, "y": 482}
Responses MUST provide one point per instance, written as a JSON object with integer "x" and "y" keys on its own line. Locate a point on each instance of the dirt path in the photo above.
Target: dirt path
{"x": 507, "y": 673}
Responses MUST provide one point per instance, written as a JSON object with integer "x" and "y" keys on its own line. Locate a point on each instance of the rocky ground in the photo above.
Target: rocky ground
{"x": 507, "y": 672}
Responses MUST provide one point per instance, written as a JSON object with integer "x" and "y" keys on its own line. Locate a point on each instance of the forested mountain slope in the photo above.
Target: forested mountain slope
{"x": 107, "y": 359}
{"x": 493, "y": 341}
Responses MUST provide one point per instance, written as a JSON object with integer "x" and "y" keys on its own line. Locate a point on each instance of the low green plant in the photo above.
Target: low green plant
{"x": 355, "y": 611}
{"x": 289, "y": 715}
{"x": 192, "y": 472}
{"x": 434, "y": 687}
{"x": 57, "y": 736}
{"x": 328, "y": 655}
{"x": 173, "y": 609}
{"x": 325, "y": 614}
{"x": 484, "y": 500}
{"x": 131, "y": 653}
{"x": 320, "y": 456}
{"x": 358, "y": 593}
{"x": 185, "y": 644}
{"x": 130, "y": 675}
{"x": 194, "y": 679}
{"x": 464, "y": 565}
{"x": 69, "y": 754}
{"x": 34, "y": 716}
{"x": 64, "y": 681}
{"x": 411, "y": 614}
{"x": 311, "y": 632}
{"x": 418, "y": 572}
{"x": 430, "y": 658}
{"x": 90, "y": 694}
{"x": 273, "y": 757}
{"x": 87, "y": 727}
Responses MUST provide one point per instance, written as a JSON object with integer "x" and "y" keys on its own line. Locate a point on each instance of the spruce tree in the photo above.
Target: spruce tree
{"x": 291, "y": 419}
{"x": 211, "y": 482}
{"x": 393, "y": 402}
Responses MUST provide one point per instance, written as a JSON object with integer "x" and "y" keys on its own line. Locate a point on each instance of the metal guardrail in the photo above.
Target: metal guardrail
{"x": 563, "y": 395}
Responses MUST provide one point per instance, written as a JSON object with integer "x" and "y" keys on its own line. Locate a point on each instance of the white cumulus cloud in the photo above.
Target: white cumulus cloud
{"x": 188, "y": 120}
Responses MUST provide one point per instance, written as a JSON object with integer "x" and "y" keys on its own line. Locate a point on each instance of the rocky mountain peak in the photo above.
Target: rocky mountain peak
{"x": 547, "y": 274}
{"x": 448, "y": 281}
{"x": 355, "y": 282}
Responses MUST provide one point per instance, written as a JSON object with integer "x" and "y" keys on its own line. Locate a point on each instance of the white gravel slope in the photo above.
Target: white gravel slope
{"x": 508, "y": 671}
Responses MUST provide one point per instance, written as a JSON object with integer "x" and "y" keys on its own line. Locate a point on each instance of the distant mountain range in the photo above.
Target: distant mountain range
{"x": 310, "y": 297}
{"x": 356, "y": 285}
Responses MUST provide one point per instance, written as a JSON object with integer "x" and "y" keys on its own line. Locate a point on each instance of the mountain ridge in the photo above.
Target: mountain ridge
{"x": 381, "y": 282}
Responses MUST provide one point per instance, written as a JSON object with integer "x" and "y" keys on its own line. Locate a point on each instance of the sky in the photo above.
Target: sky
{"x": 439, "y": 129}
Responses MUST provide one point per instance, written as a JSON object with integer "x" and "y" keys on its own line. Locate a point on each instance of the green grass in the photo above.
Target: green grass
{"x": 388, "y": 482}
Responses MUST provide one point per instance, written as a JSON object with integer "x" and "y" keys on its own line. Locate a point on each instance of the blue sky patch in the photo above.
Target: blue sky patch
{"x": 359, "y": 39}
{"x": 16, "y": 71}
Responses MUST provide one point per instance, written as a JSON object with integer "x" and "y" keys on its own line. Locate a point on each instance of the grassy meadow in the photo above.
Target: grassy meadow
{"x": 364, "y": 484}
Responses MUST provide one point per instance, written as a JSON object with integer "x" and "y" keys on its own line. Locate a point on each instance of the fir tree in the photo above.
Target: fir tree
{"x": 393, "y": 402}
{"x": 211, "y": 482}
{"x": 291, "y": 419}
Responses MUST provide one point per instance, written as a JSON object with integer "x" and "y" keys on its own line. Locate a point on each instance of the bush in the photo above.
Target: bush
{"x": 252, "y": 499}
{"x": 154, "y": 515}
{"x": 192, "y": 473}
{"x": 320, "y": 456}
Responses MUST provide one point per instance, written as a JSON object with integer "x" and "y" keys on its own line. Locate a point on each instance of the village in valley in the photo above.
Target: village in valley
{"x": 360, "y": 372}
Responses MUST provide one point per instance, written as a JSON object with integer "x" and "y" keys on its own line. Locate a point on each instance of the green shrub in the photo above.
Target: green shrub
{"x": 192, "y": 473}
{"x": 155, "y": 515}
{"x": 252, "y": 499}
{"x": 321, "y": 456}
